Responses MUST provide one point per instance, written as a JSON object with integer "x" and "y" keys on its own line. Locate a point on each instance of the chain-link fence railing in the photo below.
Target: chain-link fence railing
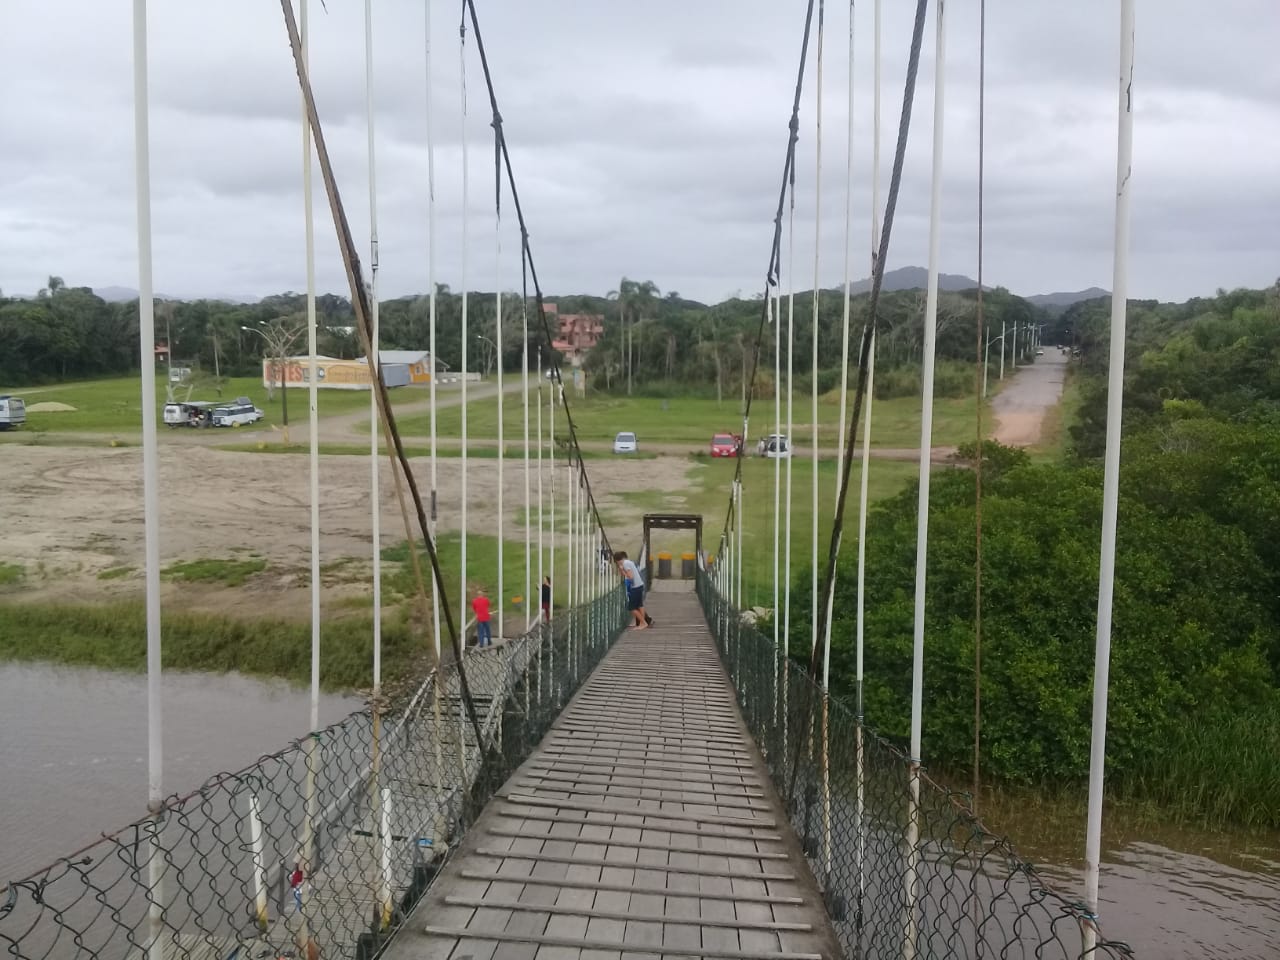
{"x": 323, "y": 848}
{"x": 901, "y": 877}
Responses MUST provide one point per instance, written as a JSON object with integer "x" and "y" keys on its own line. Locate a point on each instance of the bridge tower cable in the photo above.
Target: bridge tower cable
{"x": 1111, "y": 469}
{"x": 150, "y": 476}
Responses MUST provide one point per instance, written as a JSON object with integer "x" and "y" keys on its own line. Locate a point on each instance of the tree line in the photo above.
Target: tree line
{"x": 652, "y": 343}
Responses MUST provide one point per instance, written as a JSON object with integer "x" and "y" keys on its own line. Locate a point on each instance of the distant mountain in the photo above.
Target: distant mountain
{"x": 127, "y": 294}
{"x": 116, "y": 294}
{"x": 917, "y": 278}
{"x": 1055, "y": 303}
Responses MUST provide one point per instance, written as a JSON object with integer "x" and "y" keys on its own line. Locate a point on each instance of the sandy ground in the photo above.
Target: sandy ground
{"x": 74, "y": 512}
{"x": 1020, "y": 408}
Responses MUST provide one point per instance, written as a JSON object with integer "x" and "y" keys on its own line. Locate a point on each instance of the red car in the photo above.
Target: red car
{"x": 726, "y": 445}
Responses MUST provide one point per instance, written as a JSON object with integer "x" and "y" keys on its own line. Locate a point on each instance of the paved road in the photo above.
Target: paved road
{"x": 1020, "y": 408}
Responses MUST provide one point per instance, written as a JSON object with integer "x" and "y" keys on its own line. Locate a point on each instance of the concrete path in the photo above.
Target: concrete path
{"x": 644, "y": 825}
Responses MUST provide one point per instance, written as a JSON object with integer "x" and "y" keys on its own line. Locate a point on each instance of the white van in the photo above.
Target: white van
{"x": 192, "y": 414}
{"x": 235, "y": 414}
{"x": 13, "y": 412}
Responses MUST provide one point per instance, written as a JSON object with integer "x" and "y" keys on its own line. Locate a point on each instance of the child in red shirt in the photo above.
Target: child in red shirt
{"x": 480, "y": 604}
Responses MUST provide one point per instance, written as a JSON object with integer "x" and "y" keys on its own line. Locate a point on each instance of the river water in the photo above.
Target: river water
{"x": 1177, "y": 894}
{"x": 73, "y": 754}
{"x": 73, "y": 747}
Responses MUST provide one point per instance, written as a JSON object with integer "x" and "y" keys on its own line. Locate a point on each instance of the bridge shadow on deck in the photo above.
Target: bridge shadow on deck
{"x": 644, "y": 824}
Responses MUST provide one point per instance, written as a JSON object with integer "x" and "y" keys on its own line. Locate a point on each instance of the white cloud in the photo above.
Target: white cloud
{"x": 647, "y": 140}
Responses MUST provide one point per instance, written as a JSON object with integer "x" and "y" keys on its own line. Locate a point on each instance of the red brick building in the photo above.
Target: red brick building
{"x": 579, "y": 332}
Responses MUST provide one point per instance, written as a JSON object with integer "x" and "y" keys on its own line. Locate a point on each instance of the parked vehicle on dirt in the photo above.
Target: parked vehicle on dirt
{"x": 193, "y": 413}
{"x": 13, "y": 412}
{"x": 625, "y": 443}
{"x": 726, "y": 445}
{"x": 775, "y": 446}
{"x": 236, "y": 414}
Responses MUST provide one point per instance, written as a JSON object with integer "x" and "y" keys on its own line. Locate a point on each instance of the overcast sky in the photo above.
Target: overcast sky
{"x": 647, "y": 140}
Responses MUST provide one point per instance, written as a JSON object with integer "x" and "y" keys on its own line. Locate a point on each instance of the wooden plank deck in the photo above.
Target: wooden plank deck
{"x": 644, "y": 826}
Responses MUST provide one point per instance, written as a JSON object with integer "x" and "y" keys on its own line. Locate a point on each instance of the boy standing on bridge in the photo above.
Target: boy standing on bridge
{"x": 480, "y": 604}
{"x": 635, "y": 590}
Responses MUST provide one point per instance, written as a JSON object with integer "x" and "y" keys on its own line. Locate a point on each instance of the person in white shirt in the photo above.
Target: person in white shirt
{"x": 630, "y": 574}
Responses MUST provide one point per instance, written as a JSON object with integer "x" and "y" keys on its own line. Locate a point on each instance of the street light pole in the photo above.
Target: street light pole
{"x": 986, "y": 362}
{"x": 279, "y": 339}
{"x": 488, "y": 358}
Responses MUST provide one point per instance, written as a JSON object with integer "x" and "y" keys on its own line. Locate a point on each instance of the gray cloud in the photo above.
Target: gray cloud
{"x": 647, "y": 140}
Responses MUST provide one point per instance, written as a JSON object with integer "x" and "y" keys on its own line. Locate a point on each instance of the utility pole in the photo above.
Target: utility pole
{"x": 280, "y": 336}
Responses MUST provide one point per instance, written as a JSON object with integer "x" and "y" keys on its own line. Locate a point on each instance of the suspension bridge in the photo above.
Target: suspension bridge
{"x": 581, "y": 790}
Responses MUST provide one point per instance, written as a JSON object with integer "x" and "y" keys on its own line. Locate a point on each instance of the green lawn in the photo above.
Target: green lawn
{"x": 115, "y": 405}
{"x": 597, "y": 417}
{"x": 707, "y": 493}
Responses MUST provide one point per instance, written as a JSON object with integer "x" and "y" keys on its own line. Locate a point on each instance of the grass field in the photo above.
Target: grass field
{"x": 895, "y": 423}
{"x": 114, "y": 406}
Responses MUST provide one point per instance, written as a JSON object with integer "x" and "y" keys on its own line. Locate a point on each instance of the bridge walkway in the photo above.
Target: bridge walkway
{"x": 644, "y": 825}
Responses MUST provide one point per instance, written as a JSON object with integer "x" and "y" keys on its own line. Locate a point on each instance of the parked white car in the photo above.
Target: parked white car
{"x": 775, "y": 446}
{"x": 625, "y": 443}
{"x": 236, "y": 414}
{"x": 13, "y": 412}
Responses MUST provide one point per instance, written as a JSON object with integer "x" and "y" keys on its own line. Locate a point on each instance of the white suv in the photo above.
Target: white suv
{"x": 775, "y": 447}
{"x": 625, "y": 443}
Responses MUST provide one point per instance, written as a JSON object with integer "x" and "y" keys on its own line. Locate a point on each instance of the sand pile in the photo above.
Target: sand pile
{"x": 49, "y": 406}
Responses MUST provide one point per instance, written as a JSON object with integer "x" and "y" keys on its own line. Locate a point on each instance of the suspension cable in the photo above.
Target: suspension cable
{"x": 813, "y": 332}
{"x": 877, "y": 282}
{"x": 775, "y": 248}
{"x": 466, "y": 327}
{"x": 375, "y": 512}
{"x": 431, "y": 320}
{"x": 982, "y": 371}
{"x": 524, "y": 389}
{"x": 844, "y": 333}
{"x": 503, "y": 159}
{"x": 360, "y": 305}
